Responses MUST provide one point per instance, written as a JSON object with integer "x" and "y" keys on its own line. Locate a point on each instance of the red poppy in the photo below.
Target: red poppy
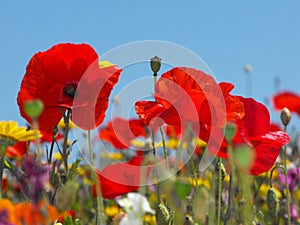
{"x": 119, "y": 178}
{"x": 17, "y": 150}
{"x": 120, "y": 132}
{"x": 275, "y": 127}
{"x": 254, "y": 130}
{"x": 68, "y": 76}
{"x": 289, "y": 100}
{"x": 47, "y": 137}
{"x": 185, "y": 95}
{"x": 181, "y": 94}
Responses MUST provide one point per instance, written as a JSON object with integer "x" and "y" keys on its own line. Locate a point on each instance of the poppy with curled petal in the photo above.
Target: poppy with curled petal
{"x": 120, "y": 132}
{"x": 289, "y": 100}
{"x": 255, "y": 130}
{"x": 119, "y": 178}
{"x": 179, "y": 98}
{"x": 186, "y": 95}
{"x": 54, "y": 76}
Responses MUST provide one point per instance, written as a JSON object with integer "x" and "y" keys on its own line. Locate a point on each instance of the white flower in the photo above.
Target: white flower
{"x": 135, "y": 206}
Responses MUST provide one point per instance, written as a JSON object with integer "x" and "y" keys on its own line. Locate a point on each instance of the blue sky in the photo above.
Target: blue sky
{"x": 226, "y": 35}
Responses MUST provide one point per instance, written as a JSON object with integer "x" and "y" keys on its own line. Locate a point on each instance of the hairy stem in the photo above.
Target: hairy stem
{"x": 65, "y": 143}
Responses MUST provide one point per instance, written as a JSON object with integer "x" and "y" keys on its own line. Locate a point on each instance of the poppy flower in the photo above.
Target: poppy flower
{"x": 287, "y": 99}
{"x": 120, "y": 132}
{"x": 119, "y": 178}
{"x": 189, "y": 96}
{"x": 254, "y": 130}
{"x": 47, "y": 137}
{"x": 179, "y": 98}
{"x": 68, "y": 76}
{"x": 17, "y": 150}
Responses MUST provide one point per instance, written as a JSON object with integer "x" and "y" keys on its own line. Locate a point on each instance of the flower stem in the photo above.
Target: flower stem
{"x": 65, "y": 143}
{"x": 100, "y": 217}
{"x": 231, "y": 185}
{"x": 35, "y": 127}
{"x": 164, "y": 146}
{"x": 286, "y": 183}
{"x": 219, "y": 190}
{"x": 3, "y": 150}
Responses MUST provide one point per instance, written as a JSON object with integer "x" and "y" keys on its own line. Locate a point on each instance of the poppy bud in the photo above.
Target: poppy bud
{"x": 162, "y": 215}
{"x": 273, "y": 202}
{"x": 155, "y": 64}
{"x": 33, "y": 108}
{"x": 230, "y": 131}
{"x": 285, "y": 116}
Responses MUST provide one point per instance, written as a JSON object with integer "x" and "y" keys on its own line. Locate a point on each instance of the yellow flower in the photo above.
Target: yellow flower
{"x": 297, "y": 194}
{"x": 150, "y": 219}
{"x": 57, "y": 156}
{"x": 111, "y": 211}
{"x": 62, "y": 124}
{"x": 263, "y": 191}
{"x": 200, "y": 182}
{"x": 10, "y": 133}
{"x": 141, "y": 144}
{"x": 112, "y": 155}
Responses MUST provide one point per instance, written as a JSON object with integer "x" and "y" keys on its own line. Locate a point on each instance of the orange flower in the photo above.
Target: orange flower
{"x": 36, "y": 214}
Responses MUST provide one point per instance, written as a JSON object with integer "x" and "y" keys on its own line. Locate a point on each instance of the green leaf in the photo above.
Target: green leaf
{"x": 68, "y": 220}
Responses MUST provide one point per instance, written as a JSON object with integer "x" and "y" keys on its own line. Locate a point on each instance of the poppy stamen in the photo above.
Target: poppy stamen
{"x": 69, "y": 90}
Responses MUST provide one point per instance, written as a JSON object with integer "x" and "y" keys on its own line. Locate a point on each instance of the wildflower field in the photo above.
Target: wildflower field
{"x": 190, "y": 153}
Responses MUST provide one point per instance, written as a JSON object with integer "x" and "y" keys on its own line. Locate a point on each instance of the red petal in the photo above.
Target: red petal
{"x": 17, "y": 150}
{"x": 257, "y": 117}
{"x": 267, "y": 149}
{"x": 119, "y": 178}
{"x": 94, "y": 89}
{"x": 121, "y": 132}
{"x": 175, "y": 83}
{"x": 289, "y": 100}
{"x": 149, "y": 111}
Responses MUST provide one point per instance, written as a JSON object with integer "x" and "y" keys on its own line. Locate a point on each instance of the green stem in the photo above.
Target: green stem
{"x": 153, "y": 142}
{"x": 164, "y": 146}
{"x": 231, "y": 184}
{"x": 3, "y": 150}
{"x": 100, "y": 216}
{"x": 65, "y": 143}
{"x": 35, "y": 127}
{"x": 52, "y": 146}
{"x": 286, "y": 183}
{"x": 271, "y": 174}
{"x": 219, "y": 190}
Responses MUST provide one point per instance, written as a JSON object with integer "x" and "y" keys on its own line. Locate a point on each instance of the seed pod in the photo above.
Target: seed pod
{"x": 155, "y": 64}
{"x": 273, "y": 202}
{"x": 162, "y": 215}
{"x": 285, "y": 116}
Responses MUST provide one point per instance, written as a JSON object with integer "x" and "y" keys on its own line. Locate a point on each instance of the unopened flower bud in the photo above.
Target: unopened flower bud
{"x": 162, "y": 215}
{"x": 248, "y": 68}
{"x": 230, "y": 131}
{"x": 285, "y": 116}
{"x": 155, "y": 64}
{"x": 33, "y": 108}
{"x": 273, "y": 202}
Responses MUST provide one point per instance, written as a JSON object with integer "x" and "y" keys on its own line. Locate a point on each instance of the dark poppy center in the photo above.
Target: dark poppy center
{"x": 69, "y": 90}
